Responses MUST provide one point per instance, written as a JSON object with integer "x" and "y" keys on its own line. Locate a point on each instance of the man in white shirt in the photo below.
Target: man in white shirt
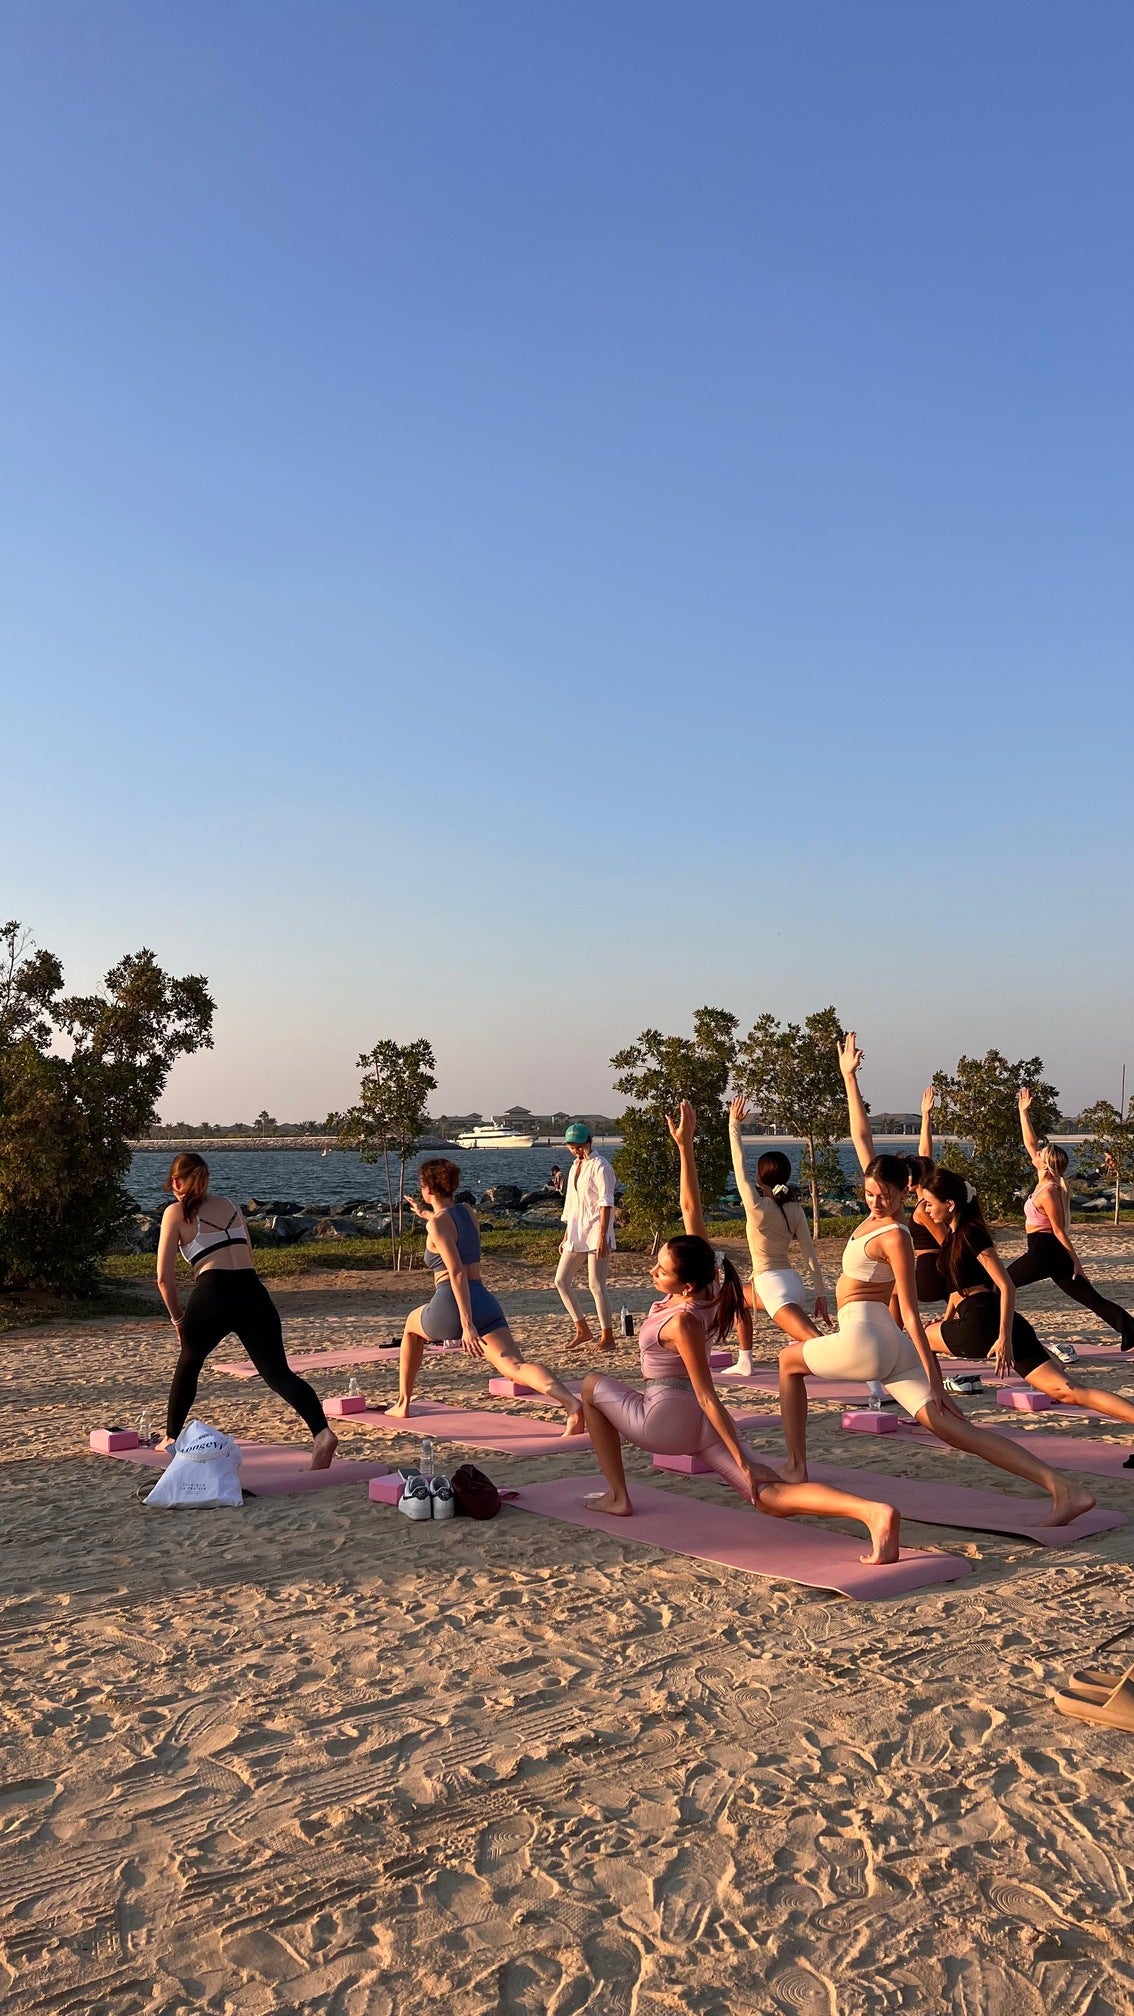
{"x": 588, "y": 1214}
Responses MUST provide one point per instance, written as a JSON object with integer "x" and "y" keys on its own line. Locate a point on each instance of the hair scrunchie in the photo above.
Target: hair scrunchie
{"x": 970, "y": 1194}
{"x": 781, "y": 1189}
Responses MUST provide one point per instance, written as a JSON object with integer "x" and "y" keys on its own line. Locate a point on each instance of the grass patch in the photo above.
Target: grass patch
{"x": 34, "y": 1306}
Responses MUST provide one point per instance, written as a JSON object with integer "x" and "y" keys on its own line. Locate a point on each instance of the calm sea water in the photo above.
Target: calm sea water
{"x": 303, "y": 1176}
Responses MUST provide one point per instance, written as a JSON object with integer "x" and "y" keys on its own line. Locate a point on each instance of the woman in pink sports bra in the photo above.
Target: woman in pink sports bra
{"x": 679, "y": 1413}
{"x": 1050, "y": 1254}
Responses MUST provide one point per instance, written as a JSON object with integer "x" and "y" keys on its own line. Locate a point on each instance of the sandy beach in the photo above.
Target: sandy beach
{"x": 308, "y": 1756}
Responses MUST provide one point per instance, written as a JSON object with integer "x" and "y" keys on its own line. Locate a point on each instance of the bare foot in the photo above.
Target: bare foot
{"x": 616, "y": 1503}
{"x": 793, "y": 1473}
{"x": 1070, "y": 1501}
{"x": 883, "y": 1527}
{"x": 582, "y": 1336}
{"x": 606, "y": 1341}
{"x": 398, "y": 1409}
{"x": 574, "y": 1423}
{"x": 326, "y": 1442}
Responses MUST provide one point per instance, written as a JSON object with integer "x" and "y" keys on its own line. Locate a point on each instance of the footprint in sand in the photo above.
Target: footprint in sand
{"x": 504, "y": 1842}
{"x": 802, "y": 1993}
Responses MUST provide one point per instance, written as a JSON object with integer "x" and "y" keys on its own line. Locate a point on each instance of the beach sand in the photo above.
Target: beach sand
{"x": 309, "y": 1756}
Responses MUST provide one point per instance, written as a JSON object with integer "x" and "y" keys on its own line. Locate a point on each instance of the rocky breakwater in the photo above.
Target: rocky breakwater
{"x": 282, "y": 1222}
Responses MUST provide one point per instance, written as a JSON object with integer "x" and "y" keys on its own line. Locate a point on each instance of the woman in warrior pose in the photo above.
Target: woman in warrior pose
{"x": 679, "y": 1413}
{"x": 981, "y": 1316}
{"x": 1047, "y": 1218}
{"x": 877, "y": 1260}
{"x": 461, "y": 1304}
{"x": 773, "y": 1221}
{"x": 923, "y": 1233}
{"x": 227, "y": 1294}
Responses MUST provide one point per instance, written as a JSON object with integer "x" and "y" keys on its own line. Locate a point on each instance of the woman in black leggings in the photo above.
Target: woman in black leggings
{"x": 227, "y": 1295}
{"x": 1050, "y": 1255}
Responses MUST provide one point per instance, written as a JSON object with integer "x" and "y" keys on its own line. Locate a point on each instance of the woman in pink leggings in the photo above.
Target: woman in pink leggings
{"x": 679, "y": 1413}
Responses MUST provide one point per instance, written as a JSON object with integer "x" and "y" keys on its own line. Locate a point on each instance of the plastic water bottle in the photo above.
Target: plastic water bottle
{"x": 625, "y": 1322}
{"x": 146, "y": 1434}
{"x": 426, "y": 1456}
{"x": 352, "y": 1388}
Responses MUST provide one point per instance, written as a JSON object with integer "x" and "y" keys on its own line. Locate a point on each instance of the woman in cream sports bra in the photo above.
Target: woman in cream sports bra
{"x": 877, "y": 1262}
{"x": 1050, "y": 1254}
{"x": 679, "y": 1413}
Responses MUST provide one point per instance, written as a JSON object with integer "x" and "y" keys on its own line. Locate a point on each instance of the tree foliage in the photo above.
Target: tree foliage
{"x": 80, "y": 1076}
{"x": 978, "y": 1102}
{"x": 1108, "y": 1151}
{"x": 656, "y": 1073}
{"x": 789, "y": 1073}
{"x": 389, "y": 1116}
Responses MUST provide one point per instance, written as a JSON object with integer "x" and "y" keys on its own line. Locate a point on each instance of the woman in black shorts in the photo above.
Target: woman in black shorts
{"x": 227, "y": 1295}
{"x": 981, "y": 1316}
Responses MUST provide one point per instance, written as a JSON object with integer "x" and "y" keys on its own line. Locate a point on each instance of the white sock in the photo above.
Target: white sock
{"x": 743, "y": 1362}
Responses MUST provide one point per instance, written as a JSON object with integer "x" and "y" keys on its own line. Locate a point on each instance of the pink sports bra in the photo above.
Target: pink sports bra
{"x": 857, "y": 1262}
{"x": 662, "y": 1361}
{"x": 1035, "y": 1217}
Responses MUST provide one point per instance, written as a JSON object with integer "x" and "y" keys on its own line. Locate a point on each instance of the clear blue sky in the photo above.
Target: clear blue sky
{"x": 518, "y": 521}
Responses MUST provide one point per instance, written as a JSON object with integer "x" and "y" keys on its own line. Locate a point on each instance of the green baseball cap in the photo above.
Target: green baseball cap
{"x": 577, "y": 1133}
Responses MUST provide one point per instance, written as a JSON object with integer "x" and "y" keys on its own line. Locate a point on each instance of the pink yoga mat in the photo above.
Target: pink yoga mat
{"x": 937, "y": 1503}
{"x": 272, "y": 1469}
{"x": 504, "y": 1434}
{"x": 782, "y": 1550}
{"x": 1063, "y": 1452}
{"x": 317, "y": 1361}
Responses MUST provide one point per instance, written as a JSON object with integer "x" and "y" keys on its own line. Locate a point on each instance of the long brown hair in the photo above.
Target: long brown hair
{"x": 193, "y": 1172}
{"x": 696, "y": 1265}
{"x": 968, "y": 1229}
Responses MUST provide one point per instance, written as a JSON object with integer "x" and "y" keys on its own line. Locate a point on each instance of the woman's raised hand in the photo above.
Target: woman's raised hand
{"x": 928, "y": 1101}
{"x": 850, "y": 1056}
{"x": 1024, "y": 1098}
{"x": 685, "y": 1126}
{"x": 739, "y": 1110}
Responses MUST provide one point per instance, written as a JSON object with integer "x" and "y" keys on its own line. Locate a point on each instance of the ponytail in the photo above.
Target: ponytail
{"x": 774, "y": 1169}
{"x": 696, "y": 1266}
{"x": 193, "y": 1172}
{"x": 729, "y": 1304}
{"x": 949, "y": 1188}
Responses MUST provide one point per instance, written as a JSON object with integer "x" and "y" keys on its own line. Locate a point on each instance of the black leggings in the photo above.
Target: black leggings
{"x": 1047, "y": 1259}
{"x": 974, "y": 1328}
{"x": 236, "y": 1299}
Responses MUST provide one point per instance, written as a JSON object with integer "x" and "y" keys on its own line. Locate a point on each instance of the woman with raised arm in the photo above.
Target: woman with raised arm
{"x": 877, "y": 1260}
{"x": 981, "y": 1318}
{"x": 923, "y": 1234}
{"x": 1050, "y": 1254}
{"x": 461, "y": 1305}
{"x": 774, "y": 1222}
{"x": 227, "y": 1295}
{"x": 679, "y": 1413}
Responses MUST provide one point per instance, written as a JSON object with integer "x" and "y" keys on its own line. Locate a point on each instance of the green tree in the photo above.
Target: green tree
{"x": 656, "y": 1073}
{"x": 1109, "y": 1149}
{"x": 264, "y": 1123}
{"x": 789, "y": 1073}
{"x": 977, "y": 1102}
{"x": 389, "y": 1116}
{"x": 80, "y": 1076}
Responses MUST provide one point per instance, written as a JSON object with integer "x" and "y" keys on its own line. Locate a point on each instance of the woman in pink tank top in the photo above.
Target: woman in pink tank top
{"x": 679, "y": 1413}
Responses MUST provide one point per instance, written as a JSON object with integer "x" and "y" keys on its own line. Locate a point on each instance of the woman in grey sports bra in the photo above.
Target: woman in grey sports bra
{"x": 461, "y": 1306}
{"x": 878, "y": 1260}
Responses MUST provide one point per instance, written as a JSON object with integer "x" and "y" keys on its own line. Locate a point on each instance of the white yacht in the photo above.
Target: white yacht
{"x": 493, "y": 1134}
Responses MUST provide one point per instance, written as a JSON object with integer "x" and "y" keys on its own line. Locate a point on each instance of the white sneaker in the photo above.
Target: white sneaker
{"x": 441, "y": 1492}
{"x": 415, "y": 1500}
{"x": 1064, "y": 1354}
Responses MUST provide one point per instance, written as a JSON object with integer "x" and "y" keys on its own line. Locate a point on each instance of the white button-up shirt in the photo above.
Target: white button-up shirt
{"x": 590, "y": 1187}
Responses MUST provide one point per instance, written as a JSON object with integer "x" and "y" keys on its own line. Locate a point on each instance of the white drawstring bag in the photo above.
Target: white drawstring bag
{"x": 202, "y": 1470}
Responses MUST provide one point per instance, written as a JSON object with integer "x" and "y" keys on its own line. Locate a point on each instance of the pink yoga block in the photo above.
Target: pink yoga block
{"x": 1025, "y": 1400}
{"x": 106, "y": 1440}
{"x": 719, "y": 1359}
{"x": 345, "y": 1403}
{"x": 686, "y": 1466}
{"x": 385, "y": 1490}
{"x": 869, "y": 1423}
{"x": 511, "y": 1389}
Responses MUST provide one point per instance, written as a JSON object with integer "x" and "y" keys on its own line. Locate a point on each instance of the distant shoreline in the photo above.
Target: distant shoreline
{"x": 292, "y": 1144}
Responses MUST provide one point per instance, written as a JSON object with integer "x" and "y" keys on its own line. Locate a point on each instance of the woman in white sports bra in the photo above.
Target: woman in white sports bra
{"x": 775, "y": 1223}
{"x": 227, "y": 1295}
{"x": 878, "y": 1259}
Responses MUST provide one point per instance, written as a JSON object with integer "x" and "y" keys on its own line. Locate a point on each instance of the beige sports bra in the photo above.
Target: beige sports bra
{"x": 857, "y": 1263}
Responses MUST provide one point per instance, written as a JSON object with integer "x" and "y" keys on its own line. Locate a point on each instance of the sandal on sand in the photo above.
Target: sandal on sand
{"x": 1116, "y": 1711}
{"x": 1092, "y": 1683}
